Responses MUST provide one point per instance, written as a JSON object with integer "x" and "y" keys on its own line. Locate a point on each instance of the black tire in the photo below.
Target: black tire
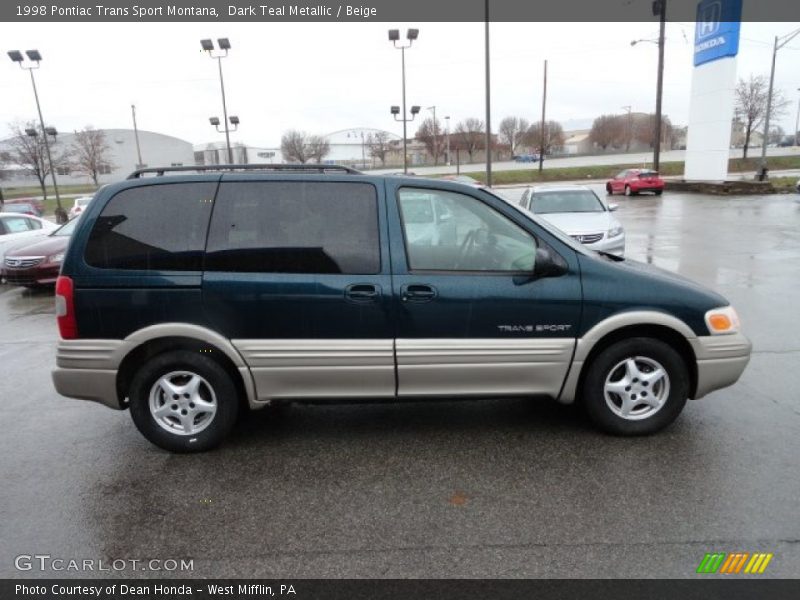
{"x": 607, "y": 365}
{"x": 217, "y": 380}
{"x": 628, "y": 191}
{"x": 659, "y": 192}
{"x": 609, "y": 191}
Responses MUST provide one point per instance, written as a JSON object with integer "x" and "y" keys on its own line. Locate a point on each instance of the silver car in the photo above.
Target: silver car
{"x": 577, "y": 211}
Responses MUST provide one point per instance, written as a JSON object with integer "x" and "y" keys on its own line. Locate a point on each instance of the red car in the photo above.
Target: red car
{"x": 633, "y": 181}
{"x": 37, "y": 205}
{"x": 38, "y": 263}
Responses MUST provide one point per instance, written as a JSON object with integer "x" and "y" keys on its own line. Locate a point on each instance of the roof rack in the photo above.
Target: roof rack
{"x": 160, "y": 171}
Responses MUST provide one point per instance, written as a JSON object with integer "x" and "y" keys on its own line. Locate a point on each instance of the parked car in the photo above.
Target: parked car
{"x": 37, "y": 262}
{"x": 37, "y": 206}
{"x": 79, "y": 205}
{"x": 577, "y": 211}
{"x": 19, "y": 227}
{"x": 21, "y": 208}
{"x": 187, "y": 298}
{"x": 525, "y": 158}
{"x": 634, "y": 181}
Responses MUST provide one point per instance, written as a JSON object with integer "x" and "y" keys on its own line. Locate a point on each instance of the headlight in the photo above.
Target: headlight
{"x": 722, "y": 320}
{"x": 615, "y": 231}
{"x": 55, "y": 258}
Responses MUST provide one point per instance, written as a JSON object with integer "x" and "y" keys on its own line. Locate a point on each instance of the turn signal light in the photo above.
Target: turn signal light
{"x": 722, "y": 320}
{"x": 65, "y": 308}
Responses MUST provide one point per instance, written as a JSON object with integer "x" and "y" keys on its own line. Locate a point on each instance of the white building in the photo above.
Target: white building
{"x": 352, "y": 146}
{"x": 157, "y": 150}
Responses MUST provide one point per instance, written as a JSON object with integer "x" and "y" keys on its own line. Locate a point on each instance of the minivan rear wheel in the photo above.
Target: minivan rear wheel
{"x": 636, "y": 386}
{"x": 183, "y": 402}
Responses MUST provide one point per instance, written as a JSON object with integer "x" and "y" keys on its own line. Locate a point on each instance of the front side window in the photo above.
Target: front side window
{"x": 295, "y": 227}
{"x": 448, "y": 231}
{"x": 160, "y": 227}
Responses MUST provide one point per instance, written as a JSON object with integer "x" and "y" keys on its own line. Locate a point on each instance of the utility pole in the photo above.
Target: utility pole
{"x": 661, "y": 5}
{"x": 779, "y": 43}
{"x": 488, "y": 106}
{"x": 542, "y": 132}
{"x": 628, "y": 128}
{"x": 136, "y": 135}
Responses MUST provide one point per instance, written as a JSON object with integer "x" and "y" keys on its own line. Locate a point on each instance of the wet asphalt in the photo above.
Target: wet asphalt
{"x": 490, "y": 488}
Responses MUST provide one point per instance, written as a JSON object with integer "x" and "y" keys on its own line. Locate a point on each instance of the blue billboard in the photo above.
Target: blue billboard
{"x": 716, "y": 34}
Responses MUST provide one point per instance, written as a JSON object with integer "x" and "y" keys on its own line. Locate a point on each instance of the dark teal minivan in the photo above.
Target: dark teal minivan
{"x": 192, "y": 294}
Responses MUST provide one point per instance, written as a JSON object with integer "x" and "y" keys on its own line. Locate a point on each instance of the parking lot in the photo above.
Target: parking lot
{"x": 490, "y": 488}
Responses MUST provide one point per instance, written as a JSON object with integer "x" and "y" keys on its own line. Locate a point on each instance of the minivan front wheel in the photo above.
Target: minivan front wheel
{"x": 183, "y": 401}
{"x": 636, "y": 387}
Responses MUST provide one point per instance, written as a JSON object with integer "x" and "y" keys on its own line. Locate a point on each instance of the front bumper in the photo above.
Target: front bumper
{"x": 721, "y": 360}
{"x": 615, "y": 245}
{"x": 37, "y": 275}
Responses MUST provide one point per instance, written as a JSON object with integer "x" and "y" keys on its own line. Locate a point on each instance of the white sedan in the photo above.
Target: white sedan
{"x": 16, "y": 228}
{"x": 79, "y": 206}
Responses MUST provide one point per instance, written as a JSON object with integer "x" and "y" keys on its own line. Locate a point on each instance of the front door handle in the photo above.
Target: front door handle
{"x": 362, "y": 292}
{"x": 417, "y": 292}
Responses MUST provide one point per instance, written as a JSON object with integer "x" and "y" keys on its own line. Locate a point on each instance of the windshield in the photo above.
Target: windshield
{"x": 571, "y": 201}
{"x": 67, "y": 228}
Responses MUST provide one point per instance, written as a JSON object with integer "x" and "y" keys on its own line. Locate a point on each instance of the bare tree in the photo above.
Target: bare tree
{"x": 317, "y": 148}
{"x": 90, "y": 153}
{"x": 298, "y": 146}
{"x": 30, "y": 153}
{"x": 430, "y": 134}
{"x": 751, "y": 105}
{"x": 609, "y": 130}
{"x": 378, "y": 144}
{"x": 511, "y": 132}
{"x": 293, "y": 146}
{"x": 644, "y": 129}
{"x": 553, "y": 136}
{"x": 469, "y": 136}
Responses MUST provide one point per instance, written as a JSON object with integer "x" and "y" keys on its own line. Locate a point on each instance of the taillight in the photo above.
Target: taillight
{"x": 65, "y": 308}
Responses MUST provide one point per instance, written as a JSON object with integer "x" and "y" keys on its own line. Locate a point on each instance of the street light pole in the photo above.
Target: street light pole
{"x": 542, "y": 132}
{"x": 447, "y": 133}
{"x": 394, "y": 37}
{"x": 435, "y": 145}
{"x": 780, "y": 42}
{"x": 136, "y": 136}
{"x": 224, "y": 46}
{"x": 797, "y": 124}
{"x": 35, "y": 57}
{"x": 488, "y": 104}
{"x": 662, "y": 15}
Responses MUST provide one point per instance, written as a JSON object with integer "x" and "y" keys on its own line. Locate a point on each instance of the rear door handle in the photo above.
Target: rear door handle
{"x": 417, "y": 292}
{"x": 362, "y": 292}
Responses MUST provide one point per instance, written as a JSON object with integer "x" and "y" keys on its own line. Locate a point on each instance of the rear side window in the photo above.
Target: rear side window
{"x": 159, "y": 227}
{"x": 295, "y": 227}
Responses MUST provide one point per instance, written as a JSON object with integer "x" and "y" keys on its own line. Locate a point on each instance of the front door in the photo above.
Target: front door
{"x": 297, "y": 276}
{"x": 471, "y": 317}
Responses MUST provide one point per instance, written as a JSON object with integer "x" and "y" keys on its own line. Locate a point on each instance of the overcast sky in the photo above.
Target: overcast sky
{"x": 324, "y": 77}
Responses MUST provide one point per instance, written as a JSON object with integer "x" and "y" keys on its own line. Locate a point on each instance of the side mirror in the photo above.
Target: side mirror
{"x": 548, "y": 264}
{"x": 613, "y": 207}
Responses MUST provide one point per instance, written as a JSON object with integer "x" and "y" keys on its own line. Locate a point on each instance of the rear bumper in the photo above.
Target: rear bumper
{"x": 88, "y": 384}
{"x": 87, "y": 370}
{"x": 721, "y": 360}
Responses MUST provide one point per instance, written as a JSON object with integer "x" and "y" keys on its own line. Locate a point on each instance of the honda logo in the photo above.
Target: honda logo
{"x": 709, "y": 17}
